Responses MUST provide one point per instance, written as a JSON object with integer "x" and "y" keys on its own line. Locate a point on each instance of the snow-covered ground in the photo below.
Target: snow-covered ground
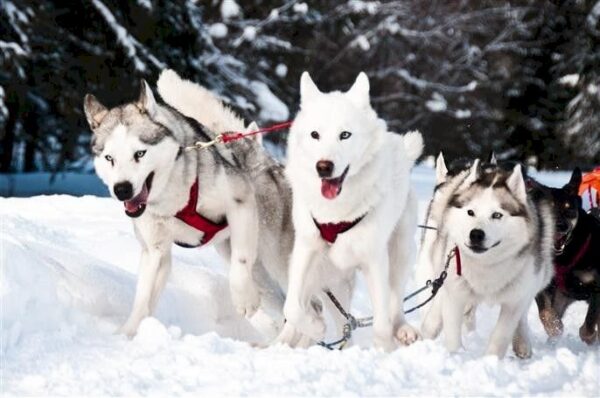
{"x": 68, "y": 271}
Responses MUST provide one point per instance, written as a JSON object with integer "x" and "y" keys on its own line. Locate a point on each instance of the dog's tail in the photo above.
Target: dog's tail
{"x": 197, "y": 102}
{"x": 413, "y": 143}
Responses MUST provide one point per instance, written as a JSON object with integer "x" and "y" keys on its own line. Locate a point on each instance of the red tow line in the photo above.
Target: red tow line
{"x": 233, "y": 136}
{"x": 230, "y": 136}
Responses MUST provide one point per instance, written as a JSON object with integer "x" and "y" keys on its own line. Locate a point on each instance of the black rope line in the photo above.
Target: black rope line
{"x": 355, "y": 323}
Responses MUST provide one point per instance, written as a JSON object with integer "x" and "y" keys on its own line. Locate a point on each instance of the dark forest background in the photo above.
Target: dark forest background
{"x": 519, "y": 77}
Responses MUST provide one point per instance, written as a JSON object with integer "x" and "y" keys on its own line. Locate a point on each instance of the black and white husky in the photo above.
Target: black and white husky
{"x": 504, "y": 239}
{"x": 234, "y": 196}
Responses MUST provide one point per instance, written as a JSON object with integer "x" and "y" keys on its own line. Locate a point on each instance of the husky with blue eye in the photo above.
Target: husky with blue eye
{"x": 234, "y": 196}
{"x": 504, "y": 238}
{"x": 353, "y": 209}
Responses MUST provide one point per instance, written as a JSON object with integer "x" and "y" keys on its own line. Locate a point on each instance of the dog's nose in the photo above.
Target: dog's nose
{"x": 477, "y": 236}
{"x": 325, "y": 168}
{"x": 123, "y": 190}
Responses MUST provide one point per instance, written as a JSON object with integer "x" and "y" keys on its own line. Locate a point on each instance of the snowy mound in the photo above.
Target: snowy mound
{"x": 67, "y": 282}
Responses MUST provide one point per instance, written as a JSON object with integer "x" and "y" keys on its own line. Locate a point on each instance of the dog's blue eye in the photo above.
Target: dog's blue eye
{"x": 314, "y": 135}
{"x": 138, "y": 155}
{"x": 471, "y": 213}
{"x": 109, "y": 158}
{"x": 496, "y": 215}
{"x": 345, "y": 135}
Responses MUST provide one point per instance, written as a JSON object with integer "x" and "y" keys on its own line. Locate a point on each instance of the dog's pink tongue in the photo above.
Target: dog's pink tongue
{"x": 330, "y": 188}
{"x": 133, "y": 204}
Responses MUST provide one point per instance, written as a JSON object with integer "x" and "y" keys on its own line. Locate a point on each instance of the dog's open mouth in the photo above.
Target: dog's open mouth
{"x": 135, "y": 206}
{"x": 560, "y": 241}
{"x": 332, "y": 187}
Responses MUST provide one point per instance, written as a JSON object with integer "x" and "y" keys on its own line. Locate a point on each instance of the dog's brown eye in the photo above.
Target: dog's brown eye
{"x": 471, "y": 213}
{"x": 496, "y": 215}
{"x": 345, "y": 135}
{"x": 314, "y": 135}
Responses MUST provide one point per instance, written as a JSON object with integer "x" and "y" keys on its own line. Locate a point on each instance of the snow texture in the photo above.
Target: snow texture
{"x": 68, "y": 272}
{"x": 218, "y": 30}
{"x": 229, "y": 9}
{"x": 271, "y": 107}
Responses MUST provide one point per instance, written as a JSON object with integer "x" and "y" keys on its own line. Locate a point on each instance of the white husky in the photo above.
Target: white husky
{"x": 504, "y": 239}
{"x": 233, "y": 196}
{"x": 352, "y": 208}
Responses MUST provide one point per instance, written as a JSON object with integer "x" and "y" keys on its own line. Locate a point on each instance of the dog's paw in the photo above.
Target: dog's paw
{"x": 552, "y": 323}
{"x": 406, "y": 334}
{"x": 307, "y": 323}
{"x": 588, "y": 336}
{"x": 245, "y": 299}
{"x": 289, "y": 336}
{"x": 522, "y": 349}
{"x": 385, "y": 343}
{"x": 127, "y": 330}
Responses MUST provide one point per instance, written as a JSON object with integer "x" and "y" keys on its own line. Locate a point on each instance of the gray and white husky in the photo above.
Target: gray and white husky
{"x": 505, "y": 241}
{"x": 353, "y": 208}
{"x": 236, "y": 191}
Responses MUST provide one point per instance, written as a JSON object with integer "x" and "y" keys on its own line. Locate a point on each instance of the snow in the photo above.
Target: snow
{"x": 437, "y": 103}
{"x": 218, "y": 30}
{"x": 127, "y": 41}
{"x": 229, "y": 9}
{"x": 569, "y": 80}
{"x": 67, "y": 279}
{"x": 301, "y": 8}
{"x": 281, "y": 70}
{"x": 362, "y": 42}
{"x": 271, "y": 107}
{"x": 462, "y": 114}
{"x": 249, "y": 33}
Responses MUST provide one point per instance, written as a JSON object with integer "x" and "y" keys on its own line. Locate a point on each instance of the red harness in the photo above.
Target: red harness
{"x": 330, "y": 231}
{"x": 190, "y": 216}
{"x": 561, "y": 270}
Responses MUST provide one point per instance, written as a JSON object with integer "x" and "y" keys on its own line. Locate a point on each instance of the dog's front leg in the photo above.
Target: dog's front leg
{"x": 452, "y": 309}
{"x": 550, "y": 320}
{"x": 243, "y": 222}
{"x": 376, "y": 273}
{"x": 506, "y": 327}
{"x": 297, "y": 309}
{"x": 587, "y": 331}
{"x": 150, "y": 263}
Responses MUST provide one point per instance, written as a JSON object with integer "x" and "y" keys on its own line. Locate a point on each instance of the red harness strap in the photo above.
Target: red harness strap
{"x": 458, "y": 261}
{"x": 330, "y": 231}
{"x": 190, "y": 216}
{"x": 561, "y": 270}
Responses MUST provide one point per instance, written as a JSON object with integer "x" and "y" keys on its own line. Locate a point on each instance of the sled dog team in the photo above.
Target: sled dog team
{"x": 342, "y": 204}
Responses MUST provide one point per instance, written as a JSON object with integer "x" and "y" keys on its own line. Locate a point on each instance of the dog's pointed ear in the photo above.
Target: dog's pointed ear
{"x": 573, "y": 185}
{"x": 94, "y": 111}
{"x": 256, "y": 137}
{"x": 492, "y": 158}
{"x": 474, "y": 172}
{"x": 146, "y": 102}
{"x": 359, "y": 92}
{"x": 308, "y": 88}
{"x": 516, "y": 183}
{"x": 441, "y": 171}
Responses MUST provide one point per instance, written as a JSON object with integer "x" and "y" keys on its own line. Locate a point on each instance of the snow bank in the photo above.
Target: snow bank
{"x": 67, "y": 279}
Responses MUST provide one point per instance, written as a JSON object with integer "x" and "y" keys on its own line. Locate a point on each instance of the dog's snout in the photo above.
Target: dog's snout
{"x": 123, "y": 190}
{"x": 562, "y": 225}
{"x": 325, "y": 168}
{"x": 477, "y": 236}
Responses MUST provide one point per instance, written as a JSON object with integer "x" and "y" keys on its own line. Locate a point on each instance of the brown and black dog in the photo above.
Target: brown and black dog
{"x": 577, "y": 264}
